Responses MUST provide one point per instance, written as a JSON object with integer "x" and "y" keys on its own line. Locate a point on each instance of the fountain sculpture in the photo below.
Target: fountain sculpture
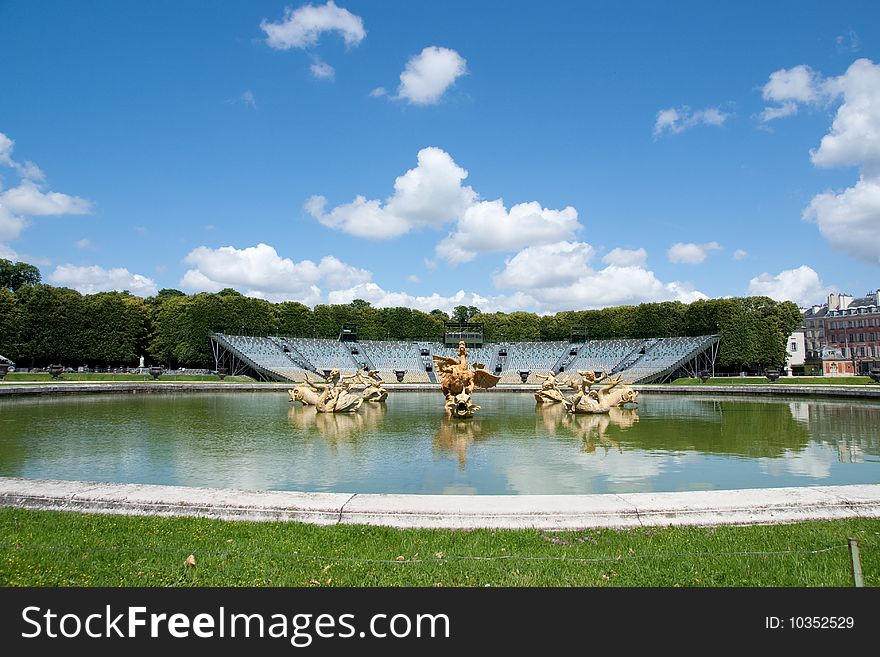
{"x": 458, "y": 381}
{"x": 601, "y": 400}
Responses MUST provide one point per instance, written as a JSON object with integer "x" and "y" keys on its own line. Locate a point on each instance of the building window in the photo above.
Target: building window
{"x": 833, "y": 339}
{"x": 793, "y": 347}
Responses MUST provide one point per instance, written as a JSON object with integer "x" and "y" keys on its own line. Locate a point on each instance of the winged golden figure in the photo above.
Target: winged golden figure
{"x": 458, "y": 380}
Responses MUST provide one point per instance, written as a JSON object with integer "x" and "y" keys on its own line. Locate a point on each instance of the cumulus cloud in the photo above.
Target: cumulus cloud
{"x": 801, "y": 285}
{"x": 429, "y": 195}
{"x": 855, "y": 133}
{"x": 8, "y": 253}
{"x": 850, "y": 219}
{"x": 28, "y": 197}
{"x": 488, "y": 226}
{"x": 259, "y": 271}
{"x": 381, "y": 298}
{"x": 740, "y": 254}
{"x": 27, "y": 170}
{"x": 429, "y": 74}
{"x": 10, "y": 225}
{"x": 433, "y": 194}
{"x": 675, "y": 120}
{"x": 303, "y": 27}
{"x": 91, "y": 279}
{"x": 690, "y": 253}
{"x": 626, "y": 257}
{"x": 790, "y": 88}
{"x": 559, "y": 277}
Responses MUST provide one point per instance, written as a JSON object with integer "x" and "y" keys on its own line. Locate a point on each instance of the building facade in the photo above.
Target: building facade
{"x": 852, "y": 327}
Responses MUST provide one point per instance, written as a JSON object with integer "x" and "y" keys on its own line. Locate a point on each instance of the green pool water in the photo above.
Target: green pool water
{"x": 261, "y": 441}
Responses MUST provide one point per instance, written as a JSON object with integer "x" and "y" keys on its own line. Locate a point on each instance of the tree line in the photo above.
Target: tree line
{"x": 41, "y": 324}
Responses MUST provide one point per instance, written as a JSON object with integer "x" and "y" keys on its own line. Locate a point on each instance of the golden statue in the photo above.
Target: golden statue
{"x": 336, "y": 396}
{"x": 550, "y": 392}
{"x": 614, "y": 393}
{"x": 457, "y": 381}
{"x": 373, "y": 390}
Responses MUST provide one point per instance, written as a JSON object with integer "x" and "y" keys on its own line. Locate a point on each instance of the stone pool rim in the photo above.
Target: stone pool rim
{"x": 563, "y": 512}
{"x": 9, "y": 389}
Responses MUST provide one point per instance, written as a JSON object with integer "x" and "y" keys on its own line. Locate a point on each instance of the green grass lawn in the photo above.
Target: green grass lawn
{"x": 43, "y": 548}
{"x": 783, "y": 380}
{"x": 45, "y": 377}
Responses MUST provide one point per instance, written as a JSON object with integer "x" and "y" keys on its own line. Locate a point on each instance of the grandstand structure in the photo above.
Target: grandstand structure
{"x": 281, "y": 358}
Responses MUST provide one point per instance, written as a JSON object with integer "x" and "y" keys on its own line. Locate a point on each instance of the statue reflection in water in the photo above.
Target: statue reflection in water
{"x": 593, "y": 428}
{"x": 336, "y": 428}
{"x": 456, "y": 437}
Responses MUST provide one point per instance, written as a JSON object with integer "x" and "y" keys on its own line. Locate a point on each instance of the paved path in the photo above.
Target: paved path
{"x": 754, "y": 506}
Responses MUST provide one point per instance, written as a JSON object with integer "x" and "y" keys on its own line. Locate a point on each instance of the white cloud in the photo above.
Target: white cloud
{"x": 559, "y": 277}
{"x": 84, "y": 243}
{"x": 28, "y": 170}
{"x": 260, "y": 272}
{"x": 248, "y": 99}
{"x": 740, "y": 254}
{"x": 429, "y": 74}
{"x": 488, "y": 226}
{"x": 801, "y": 285}
{"x": 850, "y": 220}
{"x": 799, "y": 84}
{"x": 379, "y": 92}
{"x": 303, "y": 27}
{"x": 678, "y": 119}
{"x": 28, "y": 199}
{"x": 626, "y": 257}
{"x": 690, "y": 253}
{"x": 429, "y": 195}
{"x": 382, "y": 298}
{"x": 10, "y": 224}
{"x": 432, "y": 194}
{"x": 8, "y": 253}
{"x": 89, "y": 280}
{"x": 6, "y": 146}
{"x": 855, "y": 134}
{"x": 322, "y": 70}
{"x": 788, "y": 88}
{"x": 412, "y": 278}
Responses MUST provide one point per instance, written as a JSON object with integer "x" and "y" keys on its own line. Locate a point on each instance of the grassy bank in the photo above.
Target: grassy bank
{"x": 42, "y": 548}
{"x": 45, "y": 377}
{"x": 783, "y": 380}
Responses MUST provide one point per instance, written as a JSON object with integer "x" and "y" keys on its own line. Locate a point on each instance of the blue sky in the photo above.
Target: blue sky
{"x": 508, "y": 155}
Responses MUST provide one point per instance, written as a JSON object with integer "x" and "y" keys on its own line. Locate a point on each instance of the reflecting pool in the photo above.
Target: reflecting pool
{"x": 261, "y": 441}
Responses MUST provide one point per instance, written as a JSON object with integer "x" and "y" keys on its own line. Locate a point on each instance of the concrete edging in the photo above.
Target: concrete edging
{"x": 747, "y": 506}
{"x": 868, "y": 391}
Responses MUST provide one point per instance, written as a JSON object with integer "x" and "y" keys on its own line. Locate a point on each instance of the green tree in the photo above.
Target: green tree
{"x": 18, "y": 274}
{"x": 464, "y": 313}
{"x": 10, "y": 325}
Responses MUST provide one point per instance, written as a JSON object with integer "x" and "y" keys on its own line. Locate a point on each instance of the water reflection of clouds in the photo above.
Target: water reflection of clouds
{"x": 814, "y": 461}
